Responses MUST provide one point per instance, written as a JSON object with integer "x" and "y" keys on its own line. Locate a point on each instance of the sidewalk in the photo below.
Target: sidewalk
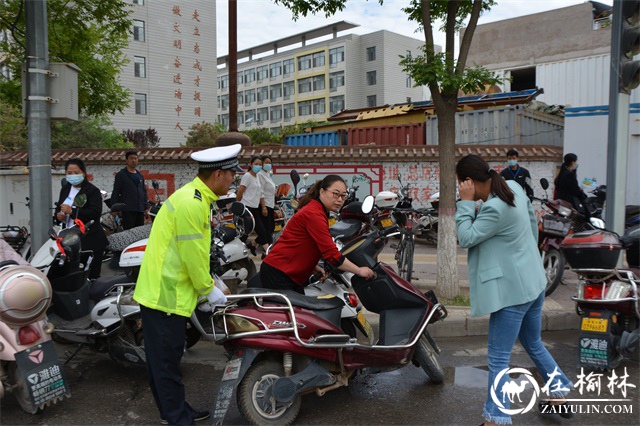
{"x": 558, "y": 311}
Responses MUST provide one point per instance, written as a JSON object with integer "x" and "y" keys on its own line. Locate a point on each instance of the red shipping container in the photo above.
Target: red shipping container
{"x": 403, "y": 134}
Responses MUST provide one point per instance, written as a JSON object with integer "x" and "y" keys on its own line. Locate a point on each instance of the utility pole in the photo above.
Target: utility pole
{"x": 38, "y": 120}
{"x": 625, "y": 76}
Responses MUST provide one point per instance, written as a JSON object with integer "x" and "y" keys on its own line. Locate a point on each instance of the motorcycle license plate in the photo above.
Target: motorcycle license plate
{"x": 598, "y": 325}
{"x": 365, "y": 326}
{"x": 386, "y": 223}
{"x": 41, "y": 373}
{"x": 278, "y": 228}
{"x": 332, "y": 221}
{"x": 230, "y": 225}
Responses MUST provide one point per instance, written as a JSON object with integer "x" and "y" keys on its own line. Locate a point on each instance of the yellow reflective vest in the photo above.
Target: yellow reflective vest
{"x": 175, "y": 267}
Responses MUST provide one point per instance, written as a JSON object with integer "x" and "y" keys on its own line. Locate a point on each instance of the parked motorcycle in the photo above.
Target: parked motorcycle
{"x": 29, "y": 365}
{"x": 282, "y": 344}
{"x": 607, "y": 298}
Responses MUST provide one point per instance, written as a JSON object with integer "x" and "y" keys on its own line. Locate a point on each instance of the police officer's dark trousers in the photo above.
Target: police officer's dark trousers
{"x": 164, "y": 339}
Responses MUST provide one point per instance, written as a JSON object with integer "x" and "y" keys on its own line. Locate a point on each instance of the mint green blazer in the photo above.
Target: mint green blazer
{"x": 505, "y": 267}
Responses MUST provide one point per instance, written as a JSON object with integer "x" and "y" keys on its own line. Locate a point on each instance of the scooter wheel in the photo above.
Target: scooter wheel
{"x": 427, "y": 357}
{"x": 553, "y": 262}
{"x": 252, "y": 399}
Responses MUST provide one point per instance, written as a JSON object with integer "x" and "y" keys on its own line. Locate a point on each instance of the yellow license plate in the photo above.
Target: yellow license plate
{"x": 230, "y": 225}
{"x": 332, "y": 221}
{"x": 386, "y": 223}
{"x": 366, "y": 326}
{"x": 594, "y": 324}
{"x": 278, "y": 228}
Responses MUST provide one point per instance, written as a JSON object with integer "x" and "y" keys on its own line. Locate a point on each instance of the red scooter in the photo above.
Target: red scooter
{"x": 282, "y": 345}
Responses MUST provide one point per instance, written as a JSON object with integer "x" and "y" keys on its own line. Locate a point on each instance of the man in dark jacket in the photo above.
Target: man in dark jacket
{"x": 129, "y": 188}
{"x": 517, "y": 173}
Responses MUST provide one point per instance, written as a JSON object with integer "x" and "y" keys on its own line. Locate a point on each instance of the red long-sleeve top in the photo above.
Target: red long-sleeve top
{"x": 303, "y": 242}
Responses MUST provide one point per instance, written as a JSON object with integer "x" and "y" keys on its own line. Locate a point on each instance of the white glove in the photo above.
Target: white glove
{"x": 216, "y": 297}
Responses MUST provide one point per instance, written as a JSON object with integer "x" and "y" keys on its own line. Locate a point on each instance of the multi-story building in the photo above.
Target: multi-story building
{"x": 172, "y": 68}
{"x": 315, "y": 81}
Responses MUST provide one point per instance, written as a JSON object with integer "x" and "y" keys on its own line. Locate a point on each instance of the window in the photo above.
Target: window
{"x": 408, "y": 82}
{"x": 218, "y": 101}
{"x": 523, "y": 78}
{"x": 263, "y": 72}
{"x": 240, "y": 74}
{"x": 372, "y": 101}
{"x": 336, "y": 56}
{"x": 138, "y": 30}
{"x": 318, "y": 59}
{"x": 263, "y": 94}
{"x": 304, "y": 85}
{"x": 371, "y": 53}
{"x": 249, "y": 96}
{"x": 240, "y": 98}
{"x": 275, "y": 70}
{"x": 240, "y": 118}
{"x": 141, "y": 103}
{"x": 304, "y": 108}
{"x": 275, "y": 91}
{"x": 224, "y": 120}
{"x": 318, "y": 82}
{"x": 139, "y": 66}
{"x": 139, "y": 2}
{"x": 276, "y": 113}
{"x": 288, "y": 111}
{"x": 288, "y": 67}
{"x": 224, "y": 101}
{"x": 336, "y": 79}
{"x": 274, "y": 130}
{"x": 249, "y": 117}
{"x": 304, "y": 62}
{"x": 319, "y": 106}
{"x": 263, "y": 115}
{"x": 288, "y": 89}
{"x": 336, "y": 104}
{"x": 371, "y": 78}
{"x": 249, "y": 75}
{"x": 224, "y": 81}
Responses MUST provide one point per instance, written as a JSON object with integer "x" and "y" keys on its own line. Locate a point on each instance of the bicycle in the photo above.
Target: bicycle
{"x": 409, "y": 228}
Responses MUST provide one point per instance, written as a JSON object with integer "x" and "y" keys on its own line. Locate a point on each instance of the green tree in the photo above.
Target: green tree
{"x": 142, "y": 138}
{"x": 13, "y": 130}
{"x": 204, "y": 134}
{"x": 445, "y": 76}
{"x": 88, "y": 132}
{"x": 262, "y": 136}
{"x": 88, "y": 33}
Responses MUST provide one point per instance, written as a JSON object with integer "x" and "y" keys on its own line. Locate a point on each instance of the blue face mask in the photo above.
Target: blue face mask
{"x": 512, "y": 163}
{"x": 256, "y": 169}
{"x": 267, "y": 167}
{"x": 75, "y": 179}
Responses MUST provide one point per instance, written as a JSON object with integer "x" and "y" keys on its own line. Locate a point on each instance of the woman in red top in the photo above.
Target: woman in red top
{"x": 306, "y": 239}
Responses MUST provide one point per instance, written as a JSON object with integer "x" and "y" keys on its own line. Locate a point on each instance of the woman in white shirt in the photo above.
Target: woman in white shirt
{"x": 269, "y": 193}
{"x": 251, "y": 194}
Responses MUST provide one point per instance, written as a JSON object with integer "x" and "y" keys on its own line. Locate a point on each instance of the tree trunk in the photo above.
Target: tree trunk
{"x": 447, "y": 280}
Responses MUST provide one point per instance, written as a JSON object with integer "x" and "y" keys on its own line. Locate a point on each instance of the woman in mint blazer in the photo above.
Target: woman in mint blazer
{"x": 506, "y": 279}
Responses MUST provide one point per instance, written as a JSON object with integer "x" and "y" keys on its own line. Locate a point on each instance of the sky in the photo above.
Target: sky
{"x": 261, "y": 21}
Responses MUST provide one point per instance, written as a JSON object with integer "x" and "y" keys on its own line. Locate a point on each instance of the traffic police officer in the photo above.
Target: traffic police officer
{"x": 175, "y": 272}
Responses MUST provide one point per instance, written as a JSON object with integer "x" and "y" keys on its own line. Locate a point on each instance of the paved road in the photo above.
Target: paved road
{"x": 105, "y": 393}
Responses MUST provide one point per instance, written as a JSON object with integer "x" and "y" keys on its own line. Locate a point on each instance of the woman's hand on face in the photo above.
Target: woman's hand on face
{"x": 467, "y": 190}
{"x": 366, "y": 272}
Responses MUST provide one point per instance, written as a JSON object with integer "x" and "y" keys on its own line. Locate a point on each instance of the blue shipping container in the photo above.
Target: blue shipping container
{"x": 313, "y": 139}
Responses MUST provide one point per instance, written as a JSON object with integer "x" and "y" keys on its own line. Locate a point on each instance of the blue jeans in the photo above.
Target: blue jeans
{"x": 524, "y": 322}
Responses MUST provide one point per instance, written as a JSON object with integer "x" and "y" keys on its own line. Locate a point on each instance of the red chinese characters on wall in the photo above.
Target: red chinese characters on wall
{"x": 180, "y": 23}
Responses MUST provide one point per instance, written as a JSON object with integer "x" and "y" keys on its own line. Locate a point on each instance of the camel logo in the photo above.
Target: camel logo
{"x": 36, "y": 356}
{"x": 511, "y": 390}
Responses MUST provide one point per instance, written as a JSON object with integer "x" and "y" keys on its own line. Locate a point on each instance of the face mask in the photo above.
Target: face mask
{"x": 267, "y": 167}
{"x": 575, "y": 169}
{"x": 75, "y": 179}
{"x": 512, "y": 163}
{"x": 256, "y": 169}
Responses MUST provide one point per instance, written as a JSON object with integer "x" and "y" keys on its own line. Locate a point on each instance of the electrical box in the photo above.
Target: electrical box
{"x": 63, "y": 91}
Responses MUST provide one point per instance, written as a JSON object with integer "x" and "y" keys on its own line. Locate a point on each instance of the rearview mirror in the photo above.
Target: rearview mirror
{"x": 544, "y": 183}
{"x": 80, "y": 200}
{"x": 367, "y": 204}
{"x": 237, "y": 208}
{"x": 295, "y": 177}
{"x": 118, "y": 207}
{"x": 155, "y": 184}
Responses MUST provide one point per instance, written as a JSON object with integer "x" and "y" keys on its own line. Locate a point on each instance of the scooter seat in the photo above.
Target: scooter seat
{"x": 102, "y": 285}
{"x": 346, "y": 229}
{"x": 299, "y": 300}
